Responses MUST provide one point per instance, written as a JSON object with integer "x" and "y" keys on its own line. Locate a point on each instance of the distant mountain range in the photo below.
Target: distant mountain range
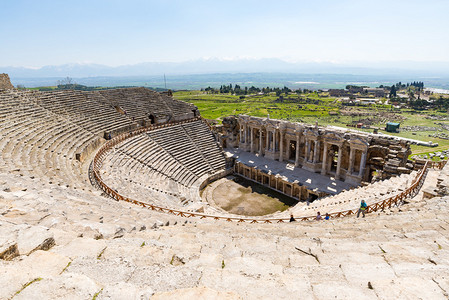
{"x": 246, "y": 72}
{"x": 206, "y": 66}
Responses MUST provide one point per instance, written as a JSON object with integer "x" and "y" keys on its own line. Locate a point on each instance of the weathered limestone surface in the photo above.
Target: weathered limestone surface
{"x": 23, "y": 239}
{"x": 399, "y": 254}
{"x": 196, "y": 293}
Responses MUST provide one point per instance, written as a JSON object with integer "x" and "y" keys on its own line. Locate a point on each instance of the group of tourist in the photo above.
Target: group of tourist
{"x": 362, "y": 208}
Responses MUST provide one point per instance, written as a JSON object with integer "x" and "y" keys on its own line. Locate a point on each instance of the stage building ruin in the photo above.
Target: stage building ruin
{"x": 346, "y": 155}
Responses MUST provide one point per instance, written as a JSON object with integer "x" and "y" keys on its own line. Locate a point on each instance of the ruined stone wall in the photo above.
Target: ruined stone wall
{"x": 389, "y": 156}
{"x": 5, "y": 82}
{"x": 443, "y": 181}
{"x": 228, "y": 132}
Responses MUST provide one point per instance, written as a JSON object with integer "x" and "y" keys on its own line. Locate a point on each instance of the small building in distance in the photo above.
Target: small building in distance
{"x": 376, "y": 92}
{"x": 366, "y": 101}
{"x": 339, "y": 93}
{"x": 392, "y": 127}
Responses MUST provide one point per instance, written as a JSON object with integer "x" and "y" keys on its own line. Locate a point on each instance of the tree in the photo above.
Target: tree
{"x": 392, "y": 91}
{"x": 66, "y": 81}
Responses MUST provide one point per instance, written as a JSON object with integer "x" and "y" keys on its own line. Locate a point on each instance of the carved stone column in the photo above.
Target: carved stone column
{"x": 307, "y": 150}
{"x": 243, "y": 134}
{"x": 324, "y": 166}
{"x": 267, "y": 141}
{"x": 316, "y": 151}
{"x": 351, "y": 161}
{"x": 260, "y": 142}
{"x": 362, "y": 164}
{"x": 240, "y": 132}
{"x": 275, "y": 144}
{"x": 252, "y": 139}
{"x": 246, "y": 140}
{"x": 281, "y": 147}
{"x": 297, "y": 151}
{"x": 340, "y": 155}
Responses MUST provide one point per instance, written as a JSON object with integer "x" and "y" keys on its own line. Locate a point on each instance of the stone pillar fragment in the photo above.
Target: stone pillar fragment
{"x": 252, "y": 139}
{"x": 307, "y": 150}
{"x": 281, "y": 147}
{"x": 267, "y": 141}
{"x": 297, "y": 151}
{"x": 275, "y": 142}
{"x": 340, "y": 155}
{"x": 362, "y": 164}
{"x": 351, "y": 161}
{"x": 316, "y": 151}
{"x": 324, "y": 166}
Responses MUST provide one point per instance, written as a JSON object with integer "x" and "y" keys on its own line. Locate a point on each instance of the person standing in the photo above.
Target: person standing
{"x": 292, "y": 219}
{"x": 362, "y": 208}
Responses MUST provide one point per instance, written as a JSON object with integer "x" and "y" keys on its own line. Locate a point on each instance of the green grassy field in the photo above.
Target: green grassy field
{"x": 218, "y": 106}
{"x": 311, "y": 107}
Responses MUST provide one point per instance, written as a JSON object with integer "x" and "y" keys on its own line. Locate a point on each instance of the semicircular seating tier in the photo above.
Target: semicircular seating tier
{"x": 165, "y": 166}
{"x": 51, "y": 134}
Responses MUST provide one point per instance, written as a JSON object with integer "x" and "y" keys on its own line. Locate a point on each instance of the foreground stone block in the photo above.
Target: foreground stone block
{"x": 123, "y": 290}
{"x": 400, "y": 287}
{"x": 34, "y": 238}
{"x": 40, "y": 264}
{"x": 196, "y": 293}
{"x": 66, "y": 286}
{"x": 82, "y": 247}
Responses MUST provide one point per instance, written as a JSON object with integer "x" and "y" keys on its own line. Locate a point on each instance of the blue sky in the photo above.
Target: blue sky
{"x": 111, "y": 32}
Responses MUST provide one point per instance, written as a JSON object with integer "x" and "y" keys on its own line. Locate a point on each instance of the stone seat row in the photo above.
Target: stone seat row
{"x": 119, "y": 167}
{"x": 133, "y": 166}
{"x": 39, "y": 140}
{"x": 166, "y": 160}
{"x": 42, "y": 133}
{"x": 98, "y": 120}
{"x": 175, "y": 141}
{"x": 83, "y": 109}
{"x": 137, "y": 103}
{"x": 46, "y": 148}
{"x": 350, "y": 199}
{"x": 202, "y": 145}
{"x": 147, "y": 152}
{"x": 206, "y": 142}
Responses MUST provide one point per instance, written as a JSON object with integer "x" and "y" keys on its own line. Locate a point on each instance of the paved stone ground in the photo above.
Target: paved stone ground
{"x": 56, "y": 242}
{"x": 290, "y": 173}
